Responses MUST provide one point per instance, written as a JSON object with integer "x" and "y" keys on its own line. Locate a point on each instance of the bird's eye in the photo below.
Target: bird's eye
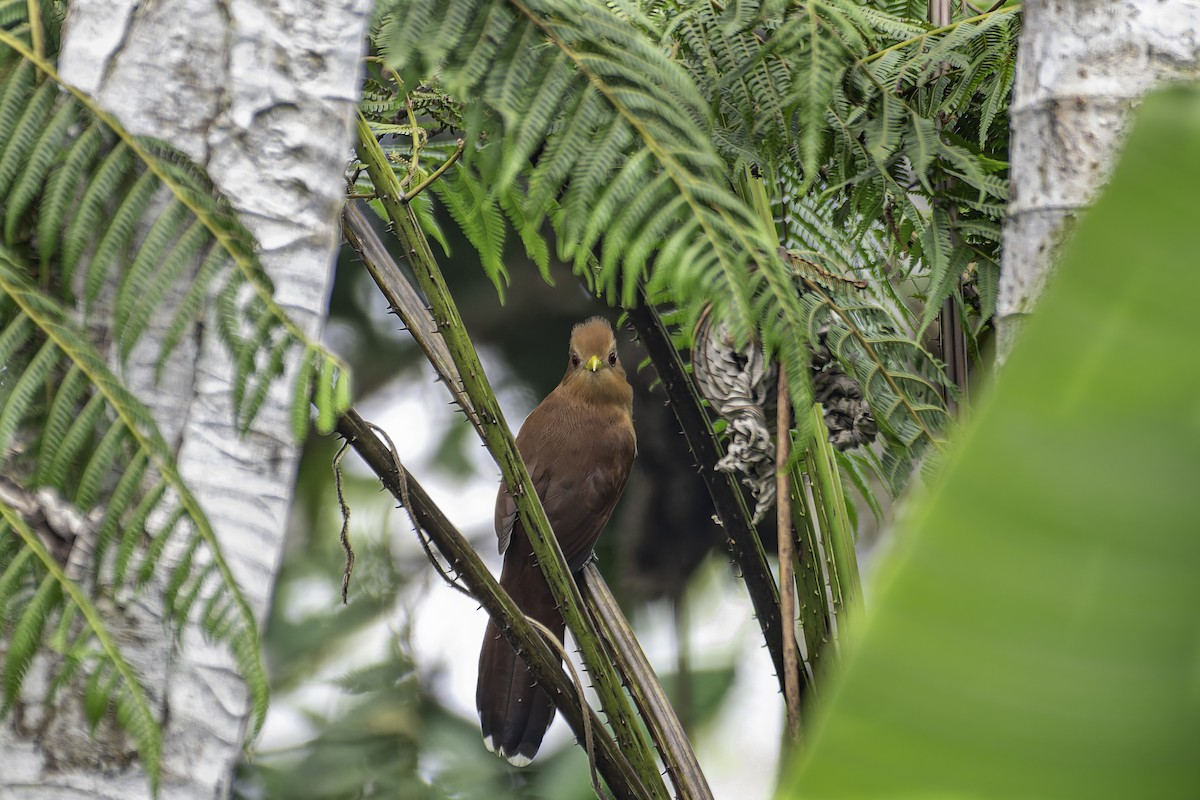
{"x": 612, "y": 358}
{"x": 574, "y": 359}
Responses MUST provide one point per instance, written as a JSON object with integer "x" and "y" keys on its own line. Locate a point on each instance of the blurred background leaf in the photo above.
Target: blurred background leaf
{"x": 1034, "y": 634}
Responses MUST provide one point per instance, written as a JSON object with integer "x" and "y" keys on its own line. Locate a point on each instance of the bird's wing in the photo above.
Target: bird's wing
{"x": 531, "y": 450}
{"x": 578, "y": 501}
{"x": 579, "y": 505}
{"x": 506, "y": 515}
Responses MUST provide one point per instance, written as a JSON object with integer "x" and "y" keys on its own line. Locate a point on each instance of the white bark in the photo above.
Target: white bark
{"x": 261, "y": 93}
{"x": 1082, "y": 66}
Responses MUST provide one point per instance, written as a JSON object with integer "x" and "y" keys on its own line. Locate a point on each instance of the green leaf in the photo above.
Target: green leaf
{"x": 33, "y": 379}
{"x": 302, "y": 395}
{"x": 422, "y": 206}
{"x": 35, "y": 169}
{"x": 326, "y": 415}
{"x": 27, "y": 636}
{"x": 97, "y": 695}
{"x": 63, "y": 411}
{"x": 1034, "y": 634}
{"x": 479, "y": 217}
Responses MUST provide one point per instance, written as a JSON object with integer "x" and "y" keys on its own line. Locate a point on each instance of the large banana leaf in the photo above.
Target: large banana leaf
{"x": 1036, "y": 633}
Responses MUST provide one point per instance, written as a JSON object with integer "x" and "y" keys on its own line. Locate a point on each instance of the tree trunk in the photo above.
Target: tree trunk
{"x": 1082, "y": 66}
{"x": 261, "y": 94}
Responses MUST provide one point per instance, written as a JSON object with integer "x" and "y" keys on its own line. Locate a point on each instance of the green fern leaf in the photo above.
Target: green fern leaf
{"x": 188, "y": 310}
{"x": 33, "y": 379}
{"x": 988, "y": 273}
{"x": 134, "y": 428}
{"x": 100, "y": 466}
{"x": 480, "y": 219}
{"x": 184, "y": 587}
{"x": 78, "y": 437}
{"x": 61, "y": 189}
{"x": 13, "y": 338}
{"x": 422, "y": 206}
{"x": 97, "y": 695}
{"x": 302, "y": 395}
{"x": 266, "y": 377}
{"x": 160, "y": 539}
{"x": 118, "y": 235}
{"x": 123, "y": 496}
{"x": 132, "y": 525}
{"x": 16, "y": 573}
{"x": 150, "y": 256}
{"x": 86, "y": 219}
{"x": 247, "y": 349}
{"x": 14, "y": 94}
{"x": 63, "y": 411}
{"x": 146, "y": 289}
{"x": 27, "y": 635}
{"x": 937, "y": 248}
{"x": 528, "y": 229}
{"x": 37, "y": 166}
{"x": 323, "y": 399}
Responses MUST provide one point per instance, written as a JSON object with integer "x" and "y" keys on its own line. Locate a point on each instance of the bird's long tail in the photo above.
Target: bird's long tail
{"x": 514, "y": 712}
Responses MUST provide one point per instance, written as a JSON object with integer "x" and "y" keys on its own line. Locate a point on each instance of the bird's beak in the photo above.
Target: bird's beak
{"x": 593, "y": 364}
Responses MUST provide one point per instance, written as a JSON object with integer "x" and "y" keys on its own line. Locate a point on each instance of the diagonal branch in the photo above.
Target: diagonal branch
{"x": 668, "y": 736}
{"x": 544, "y": 664}
{"x": 406, "y": 304}
{"x": 665, "y": 728}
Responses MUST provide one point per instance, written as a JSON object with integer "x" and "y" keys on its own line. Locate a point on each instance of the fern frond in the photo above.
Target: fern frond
{"x": 31, "y": 380}
{"x": 113, "y": 428}
{"x": 27, "y": 629}
{"x": 903, "y": 384}
{"x": 61, "y": 189}
{"x": 116, "y": 238}
{"x": 630, "y": 127}
{"x": 632, "y": 137}
{"x": 479, "y": 218}
{"x": 55, "y": 589}
{"x": 107, "y": 166}
{"x": 117, "y": 222}
{"x": 37, "y": 165}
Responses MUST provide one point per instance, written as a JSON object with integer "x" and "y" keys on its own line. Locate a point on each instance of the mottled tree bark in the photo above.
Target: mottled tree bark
{"x": 262, "y": 94}
{"x": 1082, "y": 66}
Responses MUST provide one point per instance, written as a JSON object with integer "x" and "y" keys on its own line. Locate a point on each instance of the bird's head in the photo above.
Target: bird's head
{"x": 593, "y": 366}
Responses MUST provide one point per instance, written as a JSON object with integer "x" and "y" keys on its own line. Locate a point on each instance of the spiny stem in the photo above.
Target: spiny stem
{"x": 786, "y": 539}
{"x": 500, "y": 442}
